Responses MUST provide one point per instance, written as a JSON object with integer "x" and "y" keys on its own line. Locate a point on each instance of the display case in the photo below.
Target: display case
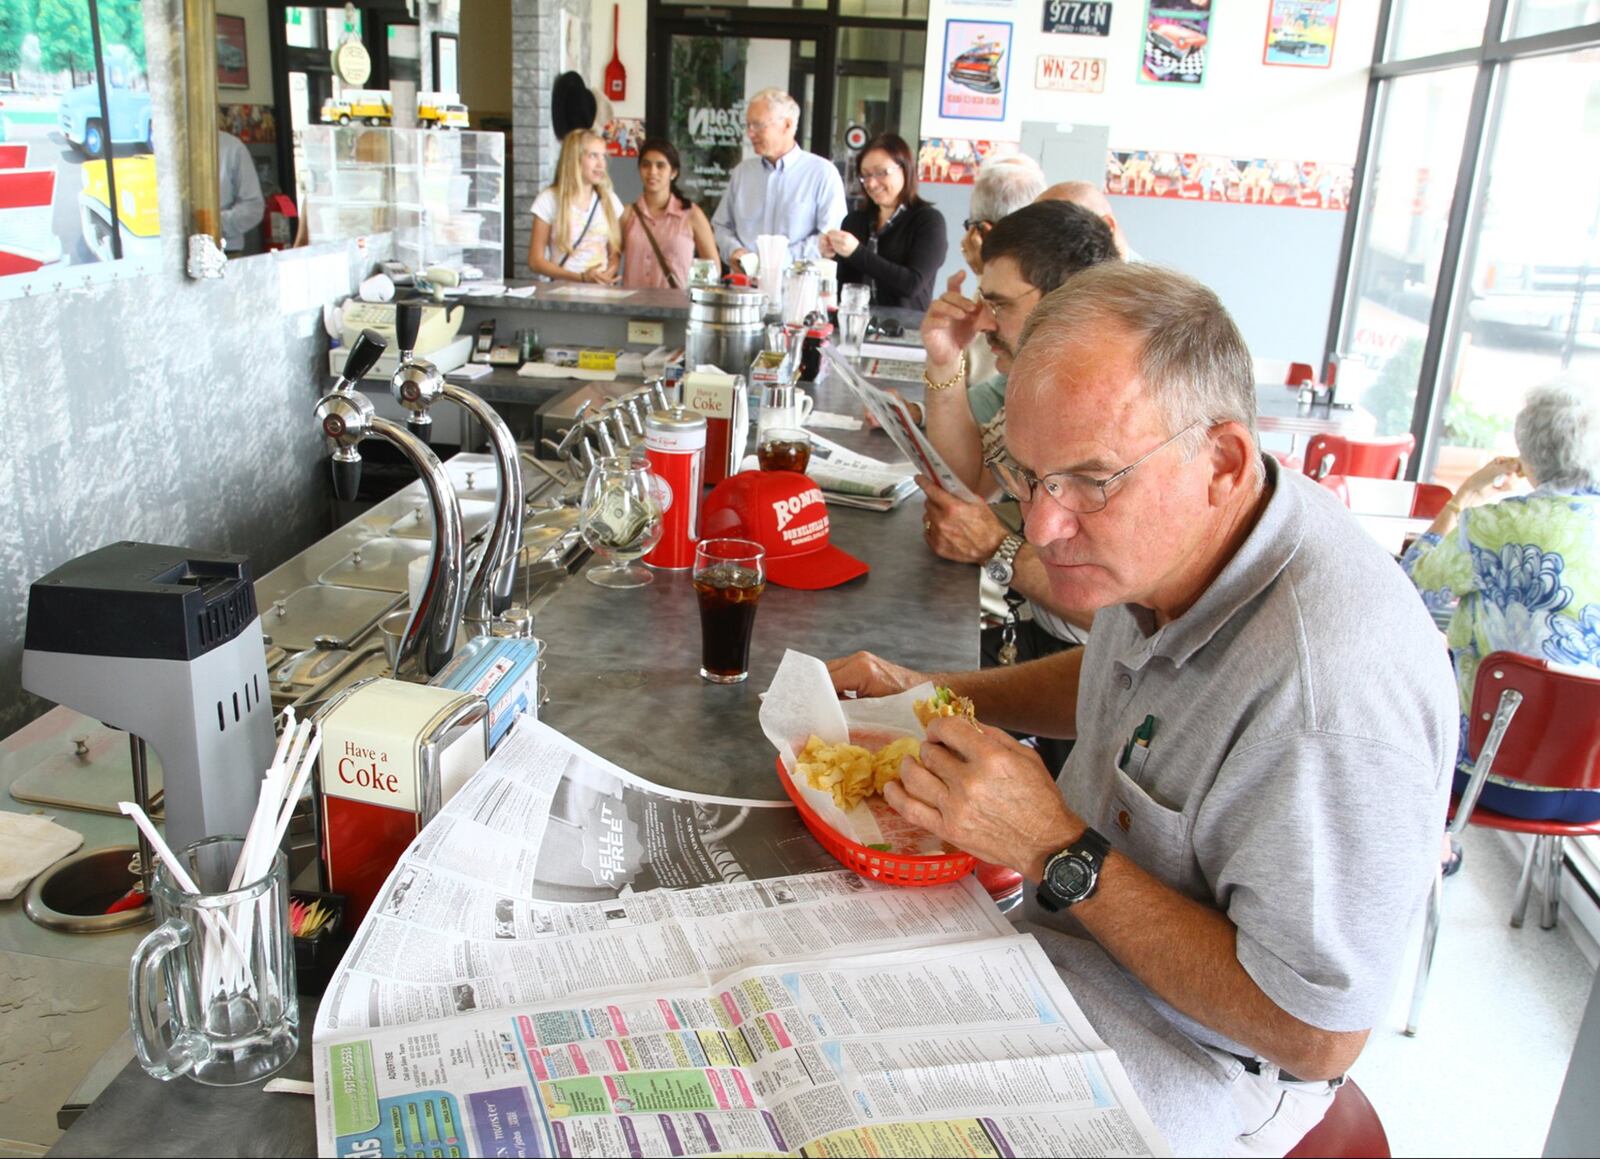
{"x": 441, "y": 192}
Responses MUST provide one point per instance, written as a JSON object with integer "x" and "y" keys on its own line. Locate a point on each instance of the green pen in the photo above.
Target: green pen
{"x": 1141, "y": 737}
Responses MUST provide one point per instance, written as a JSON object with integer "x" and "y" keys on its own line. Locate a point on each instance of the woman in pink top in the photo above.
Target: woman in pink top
{"x": 678, "y": 228}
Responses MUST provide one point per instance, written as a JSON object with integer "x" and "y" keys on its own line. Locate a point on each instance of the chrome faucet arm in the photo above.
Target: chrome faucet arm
{"x": 436, "y": 619}
{"x": 490, "y": 592}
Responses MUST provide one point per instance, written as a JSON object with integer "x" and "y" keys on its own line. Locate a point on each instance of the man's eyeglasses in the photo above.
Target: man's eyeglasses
{"x": 1079, "y": 494}
{"x": 758, "y": 126}
{"x": 973, "y": 223}
{"x": 998, "y": 306}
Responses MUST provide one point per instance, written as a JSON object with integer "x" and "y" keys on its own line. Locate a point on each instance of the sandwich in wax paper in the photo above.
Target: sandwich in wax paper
{"x": 800, "y": 704}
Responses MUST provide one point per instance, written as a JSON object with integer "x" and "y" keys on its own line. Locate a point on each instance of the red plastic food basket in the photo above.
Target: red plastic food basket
{"x": 891, "y": 868}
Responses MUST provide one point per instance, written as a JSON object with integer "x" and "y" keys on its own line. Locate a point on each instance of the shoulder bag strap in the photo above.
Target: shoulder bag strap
{"x": 578, "y": 241}
{"x": 672, "y": 279}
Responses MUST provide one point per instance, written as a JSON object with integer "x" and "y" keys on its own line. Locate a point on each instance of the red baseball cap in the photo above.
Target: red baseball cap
{"x": 785, "y": 513}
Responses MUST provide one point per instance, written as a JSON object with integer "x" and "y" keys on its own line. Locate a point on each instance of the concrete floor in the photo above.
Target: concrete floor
{"x": 1502, "y": 1012}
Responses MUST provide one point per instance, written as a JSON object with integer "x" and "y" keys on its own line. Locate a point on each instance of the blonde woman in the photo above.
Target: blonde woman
{"x": 577, "y": 235}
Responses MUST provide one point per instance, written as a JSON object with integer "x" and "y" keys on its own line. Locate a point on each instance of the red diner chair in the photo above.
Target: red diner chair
{"x": 1539, "y": 725}
{"x": 1429, "y": 500}
{"x": 1350, "y": 1130}
{"x": 1337, "y": 485}
{"x": 1365, "y": 458}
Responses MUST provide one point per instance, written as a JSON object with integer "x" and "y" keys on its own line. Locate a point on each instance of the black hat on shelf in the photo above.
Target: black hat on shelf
{"x": 572, "y": 105}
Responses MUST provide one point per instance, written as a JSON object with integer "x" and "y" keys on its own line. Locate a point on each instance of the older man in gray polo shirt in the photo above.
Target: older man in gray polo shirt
{"x": 1264, "y": 719}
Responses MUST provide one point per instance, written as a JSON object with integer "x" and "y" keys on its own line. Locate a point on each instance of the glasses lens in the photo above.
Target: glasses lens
{"x": 1077, "y": 494}
{"x": 1012, "y": 480}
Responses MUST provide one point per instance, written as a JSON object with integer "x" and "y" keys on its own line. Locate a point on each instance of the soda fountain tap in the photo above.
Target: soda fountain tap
{"x": 430, "y": 634}
{"x": 364, "y": 355}
{"x": 416, "y": 382}
{"x": 417, "y": 385}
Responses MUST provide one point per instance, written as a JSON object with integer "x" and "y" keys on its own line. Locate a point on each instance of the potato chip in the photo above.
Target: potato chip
{"x": 852, "y": 773}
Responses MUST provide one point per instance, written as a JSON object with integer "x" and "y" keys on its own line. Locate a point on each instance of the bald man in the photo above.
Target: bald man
{"x": 1088, "y": 195}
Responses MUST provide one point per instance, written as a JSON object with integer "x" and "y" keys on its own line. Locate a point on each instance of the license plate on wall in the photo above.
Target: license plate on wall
{"x": 1070, "y": 74}
{"x": 1077, "y": 17}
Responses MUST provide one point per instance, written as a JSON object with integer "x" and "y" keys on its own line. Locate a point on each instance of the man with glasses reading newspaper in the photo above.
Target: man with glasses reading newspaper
{"x": 1250, "y": 817}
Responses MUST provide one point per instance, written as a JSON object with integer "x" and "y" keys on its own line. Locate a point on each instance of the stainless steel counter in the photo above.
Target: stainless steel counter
{"x": 623, "y": 681}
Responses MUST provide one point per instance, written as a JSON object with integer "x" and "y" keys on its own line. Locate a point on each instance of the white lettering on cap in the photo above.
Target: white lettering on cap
{"x": 787, "y": 509}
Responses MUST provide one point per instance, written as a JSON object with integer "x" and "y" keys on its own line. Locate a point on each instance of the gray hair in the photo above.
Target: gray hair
{"x": 779, "y": 101}
{"x": 1004, "y": 185}
{"x": 1558, "y": 434}
{"x": 1192, "y": 359}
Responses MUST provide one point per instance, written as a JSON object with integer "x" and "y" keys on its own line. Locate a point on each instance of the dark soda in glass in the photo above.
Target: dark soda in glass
{"x": 728, "y": 596}
{"x": 784, "y": 455}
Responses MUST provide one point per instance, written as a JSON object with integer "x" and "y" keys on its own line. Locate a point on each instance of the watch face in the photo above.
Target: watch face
{"x": 1071, "y": 877}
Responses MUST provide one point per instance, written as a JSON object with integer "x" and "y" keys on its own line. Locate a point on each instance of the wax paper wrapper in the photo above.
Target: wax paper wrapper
{"x": 799, "y": 703}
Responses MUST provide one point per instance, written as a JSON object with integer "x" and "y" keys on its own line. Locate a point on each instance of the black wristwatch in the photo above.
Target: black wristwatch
{"x": 1071, "y": 875}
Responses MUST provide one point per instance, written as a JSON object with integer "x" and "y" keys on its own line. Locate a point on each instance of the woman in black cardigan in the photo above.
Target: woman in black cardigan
{"x": 896, "y": 242}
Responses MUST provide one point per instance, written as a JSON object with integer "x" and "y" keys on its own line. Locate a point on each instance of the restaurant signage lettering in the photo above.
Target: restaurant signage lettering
{"x": 1070, "y": 74}
{"x": 1070, "y": 17}
{"x": 709, "y": 128}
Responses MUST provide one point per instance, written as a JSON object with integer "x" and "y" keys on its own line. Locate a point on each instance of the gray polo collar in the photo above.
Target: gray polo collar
{"x": 1266, "y": 551}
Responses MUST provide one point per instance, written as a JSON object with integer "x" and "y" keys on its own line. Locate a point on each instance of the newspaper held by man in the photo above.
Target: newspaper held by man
{"x": 891, "y": 413}
{"x": 492, "y": 1004}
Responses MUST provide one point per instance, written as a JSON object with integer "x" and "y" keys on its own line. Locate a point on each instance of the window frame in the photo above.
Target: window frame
{"x": 1490, "y": 58}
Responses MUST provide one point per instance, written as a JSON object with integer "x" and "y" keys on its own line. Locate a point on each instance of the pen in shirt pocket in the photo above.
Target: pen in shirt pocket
{"x": 1137, "y": 751}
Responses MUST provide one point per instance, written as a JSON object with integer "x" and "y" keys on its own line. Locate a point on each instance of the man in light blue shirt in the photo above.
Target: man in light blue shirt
{"x": 782, "y": 189}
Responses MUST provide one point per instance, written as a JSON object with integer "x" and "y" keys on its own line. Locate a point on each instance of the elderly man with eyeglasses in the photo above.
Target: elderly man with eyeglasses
{"x": 1265, "y": 725}
{"x": 781, "y": 190}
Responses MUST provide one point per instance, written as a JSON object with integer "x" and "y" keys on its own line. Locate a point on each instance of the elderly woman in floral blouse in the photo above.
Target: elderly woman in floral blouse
{"x": 1526, "y": 568}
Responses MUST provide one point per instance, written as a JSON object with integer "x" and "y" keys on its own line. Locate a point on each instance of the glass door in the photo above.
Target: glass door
{"x": 705, "y": 75}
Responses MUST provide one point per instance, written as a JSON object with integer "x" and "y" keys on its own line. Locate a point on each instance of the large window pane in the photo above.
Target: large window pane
{"x": 1424, "y": 27}
{"x": 1396, "y": 268}
{"x": 1531, "y": 17}
{"x": 879, "y": 86}
{"x": 1530, "y": 306}
{"x": 885, "y": 9}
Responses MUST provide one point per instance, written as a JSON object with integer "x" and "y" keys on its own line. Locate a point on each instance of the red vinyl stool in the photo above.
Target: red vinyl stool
{"x": 1350, "y": 1130}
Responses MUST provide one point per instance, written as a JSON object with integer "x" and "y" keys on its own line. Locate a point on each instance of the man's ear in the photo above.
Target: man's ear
{"x": 1234, "y": 461}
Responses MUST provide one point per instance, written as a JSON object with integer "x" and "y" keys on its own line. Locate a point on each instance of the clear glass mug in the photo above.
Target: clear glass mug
{"x": 783, "y": 405}
{"x": 222, "y": 962}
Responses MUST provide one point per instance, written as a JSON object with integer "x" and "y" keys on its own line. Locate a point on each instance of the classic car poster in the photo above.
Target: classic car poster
{"x": 233, "y": 66}
{"x": 1300, "y": 32}
{"x": 1176, "y": 33}
{"x": 977, "y": 61}
{"x": 57, "y": 131}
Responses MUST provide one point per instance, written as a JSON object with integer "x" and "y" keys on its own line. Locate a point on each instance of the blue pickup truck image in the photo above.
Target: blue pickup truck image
{"x": 84, "y": 126}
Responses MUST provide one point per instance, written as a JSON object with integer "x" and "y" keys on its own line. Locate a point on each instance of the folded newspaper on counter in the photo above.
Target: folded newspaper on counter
{"x": 571, "y": 961}
{"x": 849, "y": 479}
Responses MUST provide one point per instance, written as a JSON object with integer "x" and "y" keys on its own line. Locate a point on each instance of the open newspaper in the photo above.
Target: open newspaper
{"x": 894, "y": 417}
{"x": 689, "y": 975}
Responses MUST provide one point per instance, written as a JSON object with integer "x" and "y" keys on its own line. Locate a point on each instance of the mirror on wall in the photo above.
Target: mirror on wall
{"x": 275, "y": 76}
